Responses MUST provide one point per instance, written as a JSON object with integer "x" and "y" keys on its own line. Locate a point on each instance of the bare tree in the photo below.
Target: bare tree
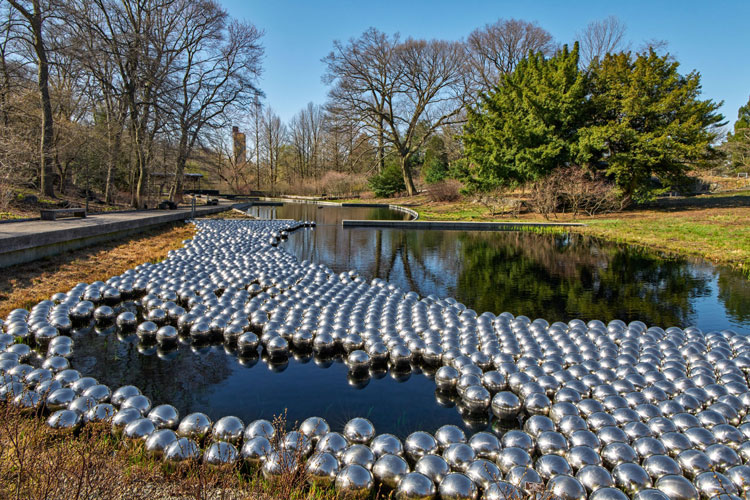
{"x": 600, "y": 38}
{"x": 306, "y": 135}
{"x": 273, "y": 137}
{"x": 35, "y": 14}
{"x": 216, "y": 70}
{"x": 497, "y": 48}
{"x": 410, "y": 86}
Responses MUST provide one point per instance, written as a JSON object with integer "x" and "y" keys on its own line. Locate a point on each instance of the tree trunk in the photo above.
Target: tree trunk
{"x": 408, "y": 181}
{"x": 175, "y": 193}
{"x": 381, "y": 148}
{"x": 45, "y": 175}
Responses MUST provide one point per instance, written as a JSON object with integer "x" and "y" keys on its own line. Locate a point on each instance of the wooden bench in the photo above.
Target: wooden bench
{"x": 63, "y": 212}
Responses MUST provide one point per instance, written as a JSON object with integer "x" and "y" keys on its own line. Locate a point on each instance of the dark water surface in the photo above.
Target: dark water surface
{"x": 557, "y": 277}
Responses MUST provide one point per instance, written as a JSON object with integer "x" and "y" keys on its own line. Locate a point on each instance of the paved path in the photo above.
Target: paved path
{"x": 25, "y": 241}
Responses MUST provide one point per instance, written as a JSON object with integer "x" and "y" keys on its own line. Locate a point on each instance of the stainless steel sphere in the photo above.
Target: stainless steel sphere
{"x": 581, "y": 456}
{"x": 359, "y": 431}
{"x": 457, "y": 486}
{"x": 524, "y": 478}
{"x": 512, "y": 457}
{"x": 459, "y": 456}
{"x": 608, "y": 494}
{"x": 476, "y": 399}
{"x": 167, "y": 335}
{"x": 195, "y": 426}
{"x": 722, "y": 456}
{"x": 60, "y": 398}
{"x": 102, "y": 412}
{"x": 121, "y": 394}
{"x": 740, "y": 477}
{"x": 502, "y": 490}
{"x": 449, "y": 434}
{"x": 677, "y": 488}
{"x": 661, "y": 465}
{"x": 433, "y": 466}
{"x": 415, "y": 486}
{"x": 139, "y": 402}
{"x": 483, "y": 473}
{"x": 565, "y": 487}
{"x": 418, "y": 444}
{"x": 159, "y": 440}
{"x": 139, "y": 429}
{"x": 322, "y": 469}
{"x": 100, "y": 393}
{"x": 384, "y": 444}
{"x": 389, "y": 469}
{"x": 164, "y": 417}
{"x": 650, "y": 494}
{"x": 710, "y": 484}
{"x": 359, "y": 454}
{"x": 64, "y": 420}
{"x": 255, "y": 450}
{"x": 485, "y": 445}
{"x": 446, "y": 378}
{"x": 631, "y": 478}
{"x": 262, "y": 428}
{"x": 354, "y": 480}
{"x": 693, "y": 462}
{"x": 333, "y": 443}
{"x": 124, "y": 417}
{"x": 314, "y": 428}
{"x": 220, "y": 454}
{"x": 182, "y": 450}
{"x": 506, "y": 405}
{"x": 594, "y": 477}
{"x": 552, "y": 465}
{"x": 229, "y": 428}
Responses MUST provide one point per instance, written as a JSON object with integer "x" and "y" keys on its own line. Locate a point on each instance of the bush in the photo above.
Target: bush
{"x": 446, "y": 190}
{"x": 389, "y": 182}
{"x": 575, "y": 189}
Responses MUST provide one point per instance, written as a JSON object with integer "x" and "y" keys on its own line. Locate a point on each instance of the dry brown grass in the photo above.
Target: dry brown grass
{"x": 24, "y": 285}
{"x": 91, "y": 463}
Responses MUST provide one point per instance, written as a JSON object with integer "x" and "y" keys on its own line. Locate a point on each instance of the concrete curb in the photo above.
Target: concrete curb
{"x": 455, "y": 225}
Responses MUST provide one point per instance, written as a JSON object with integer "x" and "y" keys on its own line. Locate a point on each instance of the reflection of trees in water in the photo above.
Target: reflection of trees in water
{"x": 557, "y": 277}
{"x": 566, "y": 276}
{"x": 179, "y": 381}
{"x": 734, "y": 293}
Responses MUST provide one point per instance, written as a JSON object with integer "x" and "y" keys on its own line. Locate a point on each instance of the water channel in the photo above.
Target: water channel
{"x": 557, "y": 277}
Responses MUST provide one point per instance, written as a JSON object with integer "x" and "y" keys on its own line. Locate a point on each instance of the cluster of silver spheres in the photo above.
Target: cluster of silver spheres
{"x": 599, "y": 411}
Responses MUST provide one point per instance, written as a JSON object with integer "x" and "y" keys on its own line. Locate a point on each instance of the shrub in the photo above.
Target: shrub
{"x": 389, "y": 182}
{"x": 446, "y": 190}
{"x": 575, "y": 189}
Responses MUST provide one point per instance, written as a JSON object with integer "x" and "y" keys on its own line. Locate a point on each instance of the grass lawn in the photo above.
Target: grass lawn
{"x": 715, "y": 227}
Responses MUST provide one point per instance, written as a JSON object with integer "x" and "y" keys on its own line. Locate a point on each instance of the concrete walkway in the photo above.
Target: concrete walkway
{"x": 31, "y": 240}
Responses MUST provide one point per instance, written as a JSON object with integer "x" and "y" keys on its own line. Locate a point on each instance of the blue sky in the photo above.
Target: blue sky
{"x": 712, "y": 37}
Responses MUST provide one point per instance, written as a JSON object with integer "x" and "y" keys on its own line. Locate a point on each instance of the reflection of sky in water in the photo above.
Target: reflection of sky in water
{"x": 218, "y": 383}
{"x": 555, "y": 277}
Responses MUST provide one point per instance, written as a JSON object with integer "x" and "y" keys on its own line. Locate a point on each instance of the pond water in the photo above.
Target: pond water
{"x": 557, "y": 277}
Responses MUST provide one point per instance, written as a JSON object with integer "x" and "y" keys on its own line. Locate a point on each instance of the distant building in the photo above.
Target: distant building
{"x": 240, "y": 146}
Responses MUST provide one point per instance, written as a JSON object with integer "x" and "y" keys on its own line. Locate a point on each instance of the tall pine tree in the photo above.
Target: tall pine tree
{"x": 647, "y": 121}
{"x": 529, "y": 124}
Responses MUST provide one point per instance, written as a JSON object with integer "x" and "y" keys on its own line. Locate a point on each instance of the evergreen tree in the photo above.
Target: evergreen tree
{"x": 529, "y": 125}
{"x": 738, "y": 143}
{"x": 647, "y": 121}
